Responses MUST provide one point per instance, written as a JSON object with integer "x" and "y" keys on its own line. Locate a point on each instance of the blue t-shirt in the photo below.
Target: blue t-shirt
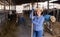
{"x": 37, "y": 22}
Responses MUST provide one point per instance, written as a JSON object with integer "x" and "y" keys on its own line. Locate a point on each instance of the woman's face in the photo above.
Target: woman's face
{"x": 38, "y": 12}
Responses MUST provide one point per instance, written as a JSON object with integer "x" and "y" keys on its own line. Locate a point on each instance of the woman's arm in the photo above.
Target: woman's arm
{"x": 40, "y": 21}
{"x": 31, "y": 14}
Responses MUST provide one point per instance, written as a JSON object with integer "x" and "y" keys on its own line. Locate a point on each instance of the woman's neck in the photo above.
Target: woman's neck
{"x": 39, "y": 15}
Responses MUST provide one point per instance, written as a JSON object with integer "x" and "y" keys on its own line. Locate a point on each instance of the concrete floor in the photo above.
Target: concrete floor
{"x": 23, "y": 31}
{"x": 47, "y": 35}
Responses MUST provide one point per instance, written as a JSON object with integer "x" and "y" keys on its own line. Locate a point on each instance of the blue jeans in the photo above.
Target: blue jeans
{"x": 38, "y": 33}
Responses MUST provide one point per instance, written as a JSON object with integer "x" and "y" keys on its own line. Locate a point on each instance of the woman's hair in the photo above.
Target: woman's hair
{"x": 35, "y": 14}
{"x": 41, "y": 9}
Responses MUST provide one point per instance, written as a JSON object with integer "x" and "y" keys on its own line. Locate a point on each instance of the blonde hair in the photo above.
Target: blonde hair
{"x": 41, "y": 9}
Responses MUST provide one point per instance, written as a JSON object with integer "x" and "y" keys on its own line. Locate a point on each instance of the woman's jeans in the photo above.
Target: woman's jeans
{"x": 38, "y": 33}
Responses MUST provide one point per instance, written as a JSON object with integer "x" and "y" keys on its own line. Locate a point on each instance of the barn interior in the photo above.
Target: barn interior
{"x": 12, "y": 10}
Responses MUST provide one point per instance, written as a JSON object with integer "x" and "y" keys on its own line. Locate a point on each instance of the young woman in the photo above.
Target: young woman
{"x": 37, "y": 23}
